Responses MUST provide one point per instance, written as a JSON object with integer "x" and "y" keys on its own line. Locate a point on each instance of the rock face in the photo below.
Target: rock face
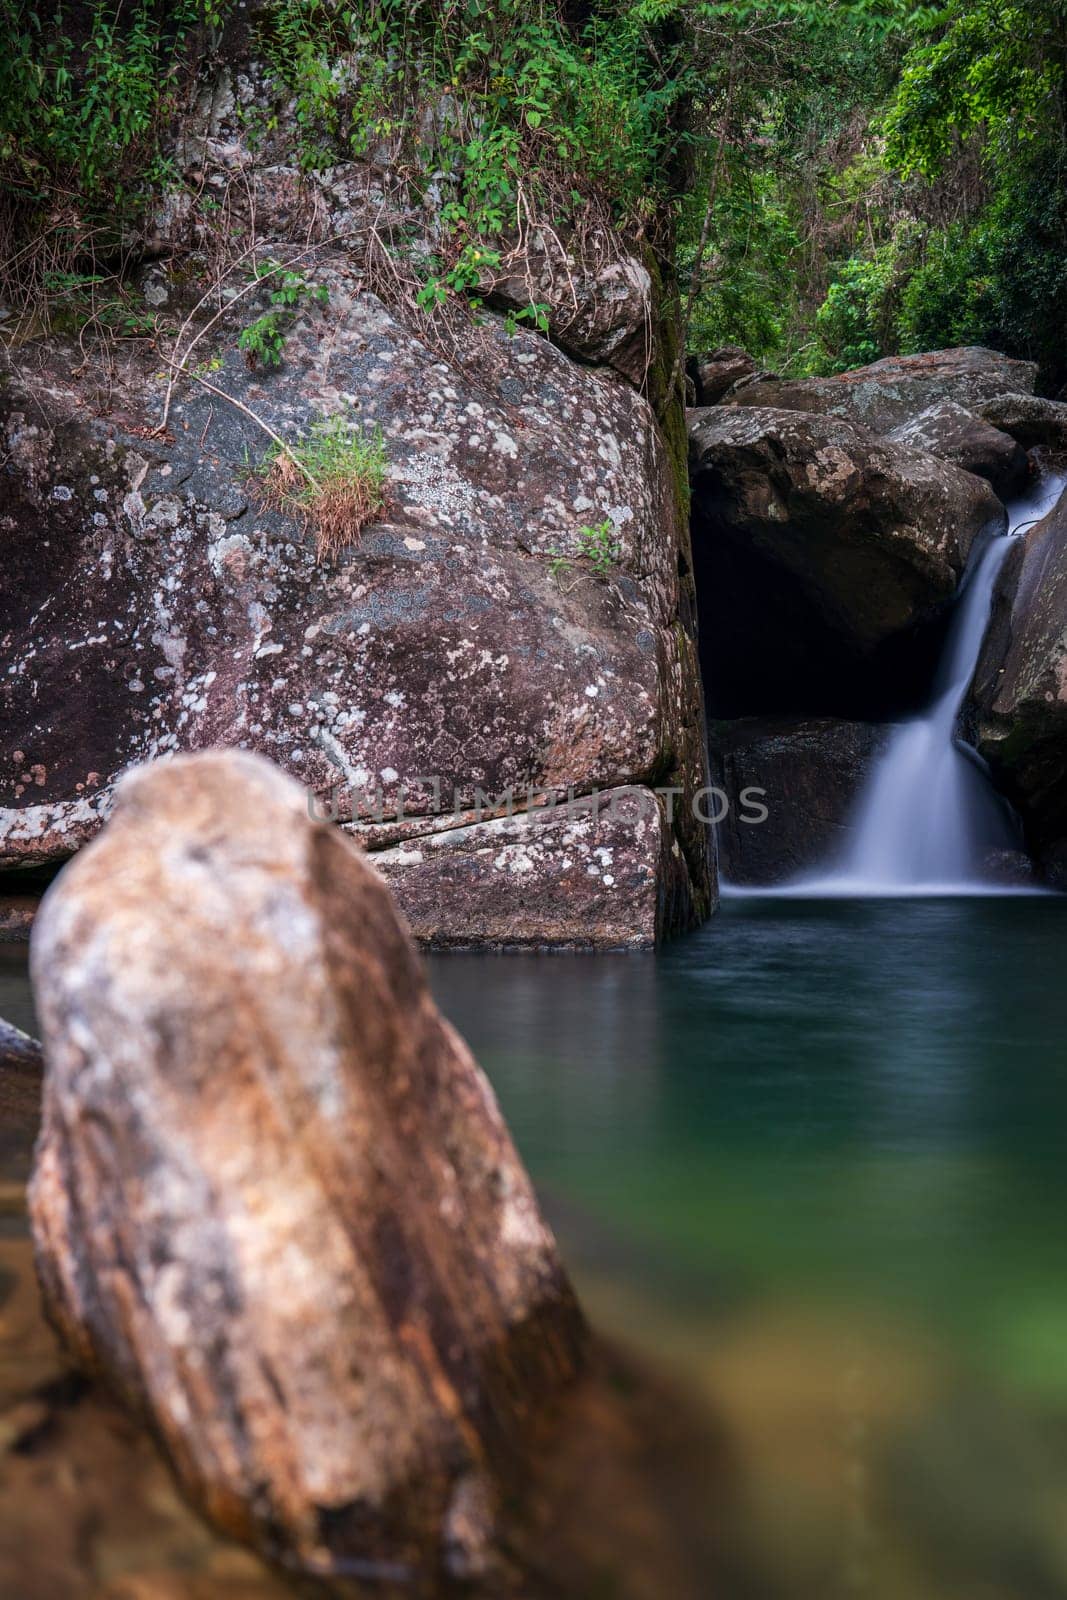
{"x": 808, "y": 774}
{"x": 957, "y": 435}
{"x": 1020, "y": 689}
{"x": 584, "y": 872}
{"x": 464, "y": 646}
{"x": 715, "y": 374}
{"x": 274, "y": 1203}
{"x": 874, "y": 536}
{"x": 896, "y": 389}
{"x": 599, "y": 306}
{"x": 1029, "y": 419}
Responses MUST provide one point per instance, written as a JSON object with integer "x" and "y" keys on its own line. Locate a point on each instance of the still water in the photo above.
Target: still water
{"x": 816, "y": 1156}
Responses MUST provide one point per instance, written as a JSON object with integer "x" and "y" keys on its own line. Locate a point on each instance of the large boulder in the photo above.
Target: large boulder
{"x": 1020, "y": 688}
{"x": 948, "y": 430}
{"x": 274, "y": 1203}
{"x": 872, "y": 536}
{"x": 800, "y": 781}
{"x": 896, "y": 389}
{"x": 715, "y": 373}
{"x": 598, "y": 302}
{"x": 155, "y": 599}
{"x": 1031, "y": 420}
{"x": 575, "y": 874}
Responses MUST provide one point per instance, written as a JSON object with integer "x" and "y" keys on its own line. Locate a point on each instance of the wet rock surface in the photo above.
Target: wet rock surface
{"x": 805, "y": 774}
{"x": 274, "y": 1203}
{"x": 897, "y": 389}
{"x": 1020, "y": 689}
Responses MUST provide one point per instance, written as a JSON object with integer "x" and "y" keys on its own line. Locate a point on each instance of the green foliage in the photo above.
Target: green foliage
{"x": 776, "y": 123}
{"x": 990, "y": 85}
{"x": 515, "y": 114}
{"x": 76, "y": 108}
{"x": 263, "y": 341}
{"x": 335, "y": 477}
{"x": 882, "y": 179}
{"x": 84, "y": 90}
{"x": 991, "y": 71}
{"x": 600, "y": 547}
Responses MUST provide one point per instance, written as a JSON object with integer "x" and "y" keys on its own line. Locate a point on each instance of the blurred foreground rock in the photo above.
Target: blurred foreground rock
{"x": 274, "y": 1203}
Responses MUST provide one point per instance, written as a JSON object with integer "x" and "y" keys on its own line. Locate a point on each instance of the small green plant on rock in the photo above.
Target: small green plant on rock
{"x": 335, "y": 479}
{"x": 597, "y": 547}
{"x": 263, "y": 341}
{"x": 600, "y": 547}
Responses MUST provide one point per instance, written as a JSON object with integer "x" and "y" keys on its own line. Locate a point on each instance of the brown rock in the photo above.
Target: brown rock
{"x": 600, "y": 310}
{"x": 172, "y": 609}
{"x": 440, "y": 654}
{"x": 806, "y": 774}
{"x": 20, "y": 1102}
{"x": 1020, "y": 688}
{"x": 579, "y": 874}
{"x": 957, "y": 435}
{"x": 17, "y": 912}
{"x": 1031, "y": 420}
{"x": 875, "y": 536}
{"x": 274, "y": 1203}
{"x": 714, "y": 374}
{"x": 897, "y": 388}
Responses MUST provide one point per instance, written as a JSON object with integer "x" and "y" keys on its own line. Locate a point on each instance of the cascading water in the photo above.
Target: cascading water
{"x": 927, "y": 816}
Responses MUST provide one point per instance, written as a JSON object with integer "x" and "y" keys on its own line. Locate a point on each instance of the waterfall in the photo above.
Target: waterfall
{"x": 927, "y": 815}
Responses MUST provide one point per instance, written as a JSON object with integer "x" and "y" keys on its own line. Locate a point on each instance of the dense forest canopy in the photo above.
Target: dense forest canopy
{"x": 830, "y": 181}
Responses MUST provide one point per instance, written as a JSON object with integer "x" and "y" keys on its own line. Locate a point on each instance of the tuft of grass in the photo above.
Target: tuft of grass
{"x": 335, "y": 478}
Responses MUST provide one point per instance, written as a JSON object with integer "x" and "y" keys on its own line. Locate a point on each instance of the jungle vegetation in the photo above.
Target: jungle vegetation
{"x": 828, "y": 180}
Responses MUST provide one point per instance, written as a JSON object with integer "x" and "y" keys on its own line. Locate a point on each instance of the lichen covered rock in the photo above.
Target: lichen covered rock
{"x": 957, "y": 435}
{"x": 606, "y": 870}
{"x": 274, "y": 1203}
{"x": 897, "y": 388}
{"x": 154, "y": 599}
{"x": 1031, "y": 420}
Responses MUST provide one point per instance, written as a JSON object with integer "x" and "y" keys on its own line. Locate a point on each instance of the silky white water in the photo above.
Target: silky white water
{"x": 927, "y": 816}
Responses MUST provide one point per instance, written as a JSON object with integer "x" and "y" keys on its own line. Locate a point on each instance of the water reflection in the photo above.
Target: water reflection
{"x": 826, "y": 1140}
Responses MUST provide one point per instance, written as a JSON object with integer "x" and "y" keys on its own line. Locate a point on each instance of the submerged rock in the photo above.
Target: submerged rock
{"x": 805, "y": 777}
{"x": 274, "y": 1203}
{"x": 957, "y": 435}
{"x": 17, "y": 912}
{"x": 1020, "y": 689}
{"x": 874, "y": 536}
{"x": 20, "y": 1100}
{"x": 896, "y": 389}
